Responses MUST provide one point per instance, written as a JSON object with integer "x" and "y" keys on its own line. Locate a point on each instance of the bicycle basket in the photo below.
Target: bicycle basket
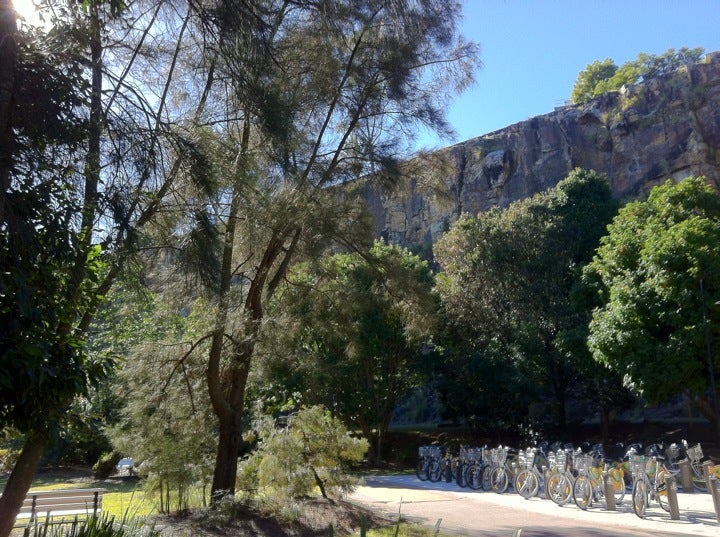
{"x": 637, "y": 464}
{"x": 579, "y": 461}
{"x": 500, "y": 456}
{"x": 695, "y": 453}
{"x": 473, "y": 454}
{"x": 424, "y": 451}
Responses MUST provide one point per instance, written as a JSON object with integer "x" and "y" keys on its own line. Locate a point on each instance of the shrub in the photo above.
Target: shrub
{"x": 313, "y": 451}
{"x": 106, "y": 464}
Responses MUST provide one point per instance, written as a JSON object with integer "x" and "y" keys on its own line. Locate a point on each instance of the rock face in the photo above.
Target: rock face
{"x": 640, "y": 136}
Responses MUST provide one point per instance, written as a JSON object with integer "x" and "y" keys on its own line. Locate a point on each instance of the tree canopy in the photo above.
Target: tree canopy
{"x": 658, "y": 284}
{"x": 507, "y": 281}
{"x": 602, "y": 76}
{"x": 362, "y": 329}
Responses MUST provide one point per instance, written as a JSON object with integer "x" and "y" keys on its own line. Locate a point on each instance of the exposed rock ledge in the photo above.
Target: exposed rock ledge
{"x": 667, "y": 127}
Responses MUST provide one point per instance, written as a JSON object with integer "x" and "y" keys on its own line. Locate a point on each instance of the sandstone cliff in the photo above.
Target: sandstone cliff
{"x": 667, "y": 127}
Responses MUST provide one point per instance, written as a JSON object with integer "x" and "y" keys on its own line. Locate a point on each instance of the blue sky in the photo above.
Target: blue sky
{"x": 533, "y": 50}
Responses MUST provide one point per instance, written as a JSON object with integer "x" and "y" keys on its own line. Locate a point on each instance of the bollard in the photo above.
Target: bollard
{"x": 686, "y": 476}
{"x": 671, "y": 487}
{"x": 609, "y": 484}
{"x": 712, "y": 489}
{"x": 706, "y": 473}
{"x": 716, "y": 496}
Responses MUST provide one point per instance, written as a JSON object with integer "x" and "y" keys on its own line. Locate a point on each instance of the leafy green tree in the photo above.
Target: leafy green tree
{"x": 587, "y": 85}
{"x": 507, "y": 283}
{"x": 602, "y": 76}
{"x": 658, "y": 283}
{"x": 311, "y": 450}
{"x": 363, "y": 324}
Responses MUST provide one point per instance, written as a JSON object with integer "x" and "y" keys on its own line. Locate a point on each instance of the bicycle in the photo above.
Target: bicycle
{"x": 460, "y": 465}
{"x": 648, "y": 485}
{"x": 502, "y": 472}
{"x": 430, "y": 465}
{"x": 528, "y": 478}
{"x": 422, "y": 466}
{"x": 695, "y": 456}
{"x": 560, "y": 481}
{"x": 593, "y": 470}
{"x": 478, "y": 469}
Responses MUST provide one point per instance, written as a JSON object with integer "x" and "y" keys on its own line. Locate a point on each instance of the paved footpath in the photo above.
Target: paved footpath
{"x": 475, "y": 513}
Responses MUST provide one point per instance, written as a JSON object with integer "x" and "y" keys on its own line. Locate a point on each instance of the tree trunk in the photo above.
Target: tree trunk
{"x": 8, "y": 57}
{"x": 226, "y": 461}
{"x": 20, "y": 480}
{"x": 605, "y": 424}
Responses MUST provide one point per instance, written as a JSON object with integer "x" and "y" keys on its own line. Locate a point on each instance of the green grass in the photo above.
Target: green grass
{"x": 120, "y": 499}
{"x": 405, "y": 530}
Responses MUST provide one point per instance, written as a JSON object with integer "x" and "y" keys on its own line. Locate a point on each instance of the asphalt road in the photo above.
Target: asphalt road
{"x": 475, "y": 513}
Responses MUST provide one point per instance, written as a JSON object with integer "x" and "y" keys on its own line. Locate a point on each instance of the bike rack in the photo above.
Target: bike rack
{"x": 711, "y": 482}
{"x": 609, "y": 484}
{"x": 686, "y": 476}
{"x": 671, "y": 487}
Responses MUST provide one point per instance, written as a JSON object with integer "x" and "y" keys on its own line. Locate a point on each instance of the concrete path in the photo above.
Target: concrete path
{"x": 476, "y": 513}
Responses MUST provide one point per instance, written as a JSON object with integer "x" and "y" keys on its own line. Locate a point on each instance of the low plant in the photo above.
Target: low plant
{"x": 106, "y": 464}
{"x": 102, "y": 526}
{"x": 311, "y": 452}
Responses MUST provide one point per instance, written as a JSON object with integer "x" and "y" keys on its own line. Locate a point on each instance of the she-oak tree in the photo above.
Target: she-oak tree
{"x": 323, "y": 93}
{"x": 89, "y": 156}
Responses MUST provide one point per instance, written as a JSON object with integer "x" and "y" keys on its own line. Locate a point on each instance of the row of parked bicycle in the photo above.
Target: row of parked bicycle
{"x": 565, "y": 474}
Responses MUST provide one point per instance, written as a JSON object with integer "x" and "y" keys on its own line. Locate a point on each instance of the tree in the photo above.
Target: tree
{"x": 602, "y": 76}
{"x": 658, "y": 276}
{"x": 363, "y": 328}
{"x": 508, "y": 277}
{"x": 311, "y": 449}
{"x": 87, "y": 162}
{"x": 321, "y": 94}
{"x": 163, "y": 417}
{"x": 586, "y": 85}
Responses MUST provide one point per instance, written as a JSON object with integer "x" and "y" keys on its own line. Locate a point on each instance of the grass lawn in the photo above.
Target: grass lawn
{"x": 121, "y": 497}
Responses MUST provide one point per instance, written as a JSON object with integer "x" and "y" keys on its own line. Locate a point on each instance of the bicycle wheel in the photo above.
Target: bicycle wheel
{"x": 526, "y": 484}
{"x": 435, "y": 470}
{"x": 421, "y": 470}
{"x": 661, "y": 492}
{"x": 473, "y": 476}
{"x": 640, "y": 497}
{"x": 486, "y": 481}
{"x": 583, "y": 492}
{"x": 559, "y": 488}
{"x": 499, "y": 480}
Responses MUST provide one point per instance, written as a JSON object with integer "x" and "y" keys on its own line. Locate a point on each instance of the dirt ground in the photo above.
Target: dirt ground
{"x": 315, "y": 516}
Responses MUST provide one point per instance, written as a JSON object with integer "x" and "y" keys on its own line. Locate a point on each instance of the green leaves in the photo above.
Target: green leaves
{"x": 314, "y": 449}
{"x": 602, "y": 76}
{"x": 361, "y": 325}
{"x": 509, "y": 276}
{"x": 652, "y": 264}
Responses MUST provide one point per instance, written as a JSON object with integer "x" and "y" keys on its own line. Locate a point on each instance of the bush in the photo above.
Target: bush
{"x": 106, "y": 464}
{"x": 313, "y": 451}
